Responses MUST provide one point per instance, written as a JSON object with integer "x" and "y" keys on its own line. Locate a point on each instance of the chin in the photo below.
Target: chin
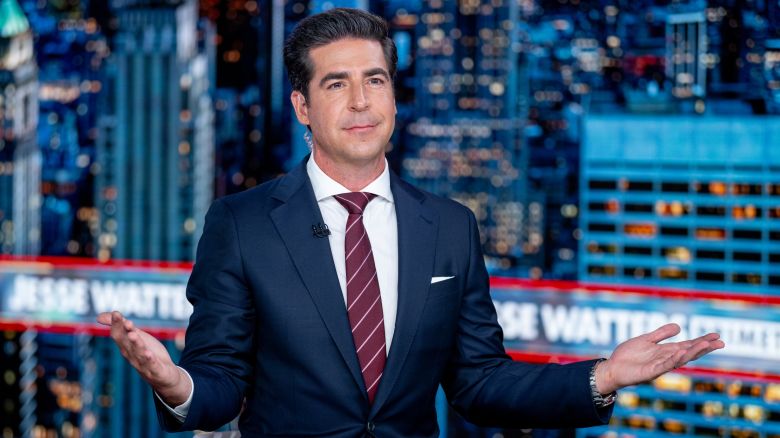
{"x": 366, "y": 154}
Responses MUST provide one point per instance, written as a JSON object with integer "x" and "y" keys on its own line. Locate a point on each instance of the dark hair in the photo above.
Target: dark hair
{"x": 327, "y": 27}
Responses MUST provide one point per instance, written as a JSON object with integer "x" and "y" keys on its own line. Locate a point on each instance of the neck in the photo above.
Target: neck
{"x": 354, "y": 177}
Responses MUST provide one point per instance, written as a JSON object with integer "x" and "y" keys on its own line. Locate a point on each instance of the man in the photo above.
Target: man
{"x": 349, "y": 331}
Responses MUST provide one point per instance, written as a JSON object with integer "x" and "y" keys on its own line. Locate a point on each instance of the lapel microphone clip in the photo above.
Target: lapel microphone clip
{"x": 320, "y": 230}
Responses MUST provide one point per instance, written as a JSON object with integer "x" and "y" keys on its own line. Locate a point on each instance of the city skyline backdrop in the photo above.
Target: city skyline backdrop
{"x": 141, "y": 118}
{"x": 622, "y": 159}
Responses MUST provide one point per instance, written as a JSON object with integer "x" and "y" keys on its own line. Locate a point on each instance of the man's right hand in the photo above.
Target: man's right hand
{"x": 149, "y": 357}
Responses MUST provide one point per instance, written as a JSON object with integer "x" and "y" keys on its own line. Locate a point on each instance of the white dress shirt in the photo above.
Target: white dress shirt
{"x": 381, "y": 226}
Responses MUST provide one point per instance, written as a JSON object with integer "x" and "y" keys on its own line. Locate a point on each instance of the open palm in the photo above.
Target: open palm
{"x": 644, "y": 358}
{"x": 146, "y": 354}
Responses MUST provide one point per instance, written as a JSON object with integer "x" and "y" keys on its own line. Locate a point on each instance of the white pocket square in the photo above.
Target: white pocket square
{"x": 438, "y": 279}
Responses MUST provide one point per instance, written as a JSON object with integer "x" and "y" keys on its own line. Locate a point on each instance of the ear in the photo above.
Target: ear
{"x": 299, "y": 104}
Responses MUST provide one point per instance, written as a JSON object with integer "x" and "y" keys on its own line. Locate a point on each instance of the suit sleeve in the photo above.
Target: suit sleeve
{"x": 219, "y": 340}
{"x": 489, "y": 389}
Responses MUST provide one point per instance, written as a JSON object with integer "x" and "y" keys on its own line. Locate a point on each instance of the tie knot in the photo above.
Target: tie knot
{"x": 354, "y": 202}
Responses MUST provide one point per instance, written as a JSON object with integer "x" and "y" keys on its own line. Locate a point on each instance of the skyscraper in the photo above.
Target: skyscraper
{"x": 20, "y": 157}
{"x": 772, "y": 74}
{"x": 681, "y": 201}
{"x": 686, "y": 45}
{"x": 466, "y": 141}
{"x": 156, "y": 149}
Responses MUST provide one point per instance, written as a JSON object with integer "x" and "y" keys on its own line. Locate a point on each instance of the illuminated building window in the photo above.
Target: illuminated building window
{"x": 638, "y": 272}
{"x": 675, "y": 208}
{"x": 596, "y": 248}
{"x": 750, "y": 278}
{"x": 745, "y": 234}
{"x": 709, "y": 386}
{"x": 638, "y": 208}
{"x": 753, "y": 413}
{"x": 611, "y": 206}
{"x": 640, "y": 229}
{"x": 773, "y": 189}
{"x": 710, "y": 254}
{"x": 746, "y": 389}
{"x": 673, "y": 426}
{"x": 774, "y": 213}
{"x": 746, "y": 212}
{"x": 677, "y": 254}
{"x": 674, "y": 187}
{"x": 628, "y": 399}
{"x": 717, "y": 211}
{"x": 674, "y": 231}
{"x": 772, "y": 393}
{"x": 710, "y": 233}
{"x": 636, "y": 186}
{"x": 746, "y": 189}
{"x": 602, "y": 184}
{"x": 711, "y": 276}
{"x": 747, "y": 256}
{"x": 673, "y": 382}
{"x": 673, "y": 273}
{"x": 600, "y": 226}
{"x": 607, "y": 270}
{"x": 640, "y": 422}
{"x": 711, "y": 188}
{"x": 638, "y": 250}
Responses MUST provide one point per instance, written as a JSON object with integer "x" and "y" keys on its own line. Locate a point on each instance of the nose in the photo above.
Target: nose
{"x": 359, "y": 100}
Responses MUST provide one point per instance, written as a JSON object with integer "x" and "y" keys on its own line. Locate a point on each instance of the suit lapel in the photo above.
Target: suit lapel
{"x": 417, "y": 231}
{"x": 313, "y": 259}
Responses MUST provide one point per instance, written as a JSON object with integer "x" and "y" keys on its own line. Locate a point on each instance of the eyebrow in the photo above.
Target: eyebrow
{"x": 344, "y": 75}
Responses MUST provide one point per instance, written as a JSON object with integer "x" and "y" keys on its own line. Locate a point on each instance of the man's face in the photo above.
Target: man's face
{"x": 351, "y": 105}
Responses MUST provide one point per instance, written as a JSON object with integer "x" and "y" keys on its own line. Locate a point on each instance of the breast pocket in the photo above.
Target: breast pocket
{"x": 444, "y": 289}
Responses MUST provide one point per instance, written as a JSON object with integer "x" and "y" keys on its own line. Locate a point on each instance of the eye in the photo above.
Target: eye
{"x": 336, "y": 86}
{"x": 376, "y": 81}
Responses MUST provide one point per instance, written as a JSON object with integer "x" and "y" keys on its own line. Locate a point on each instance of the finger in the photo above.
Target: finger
{"x": 134, "y": 339}
{"x": 714, "y": 345}
{"x": 708, "y": 337}
{"x": 116, "y": 316}
{"x": 683, "y": 344}
{"x": 118, "y": 332}
{"x": 104, "y": 318}
{"x": 137, "y": 346}
{"x": 664, "y": 332}
{"x": 127, "y": 340}
{"x": 699, "y": 349}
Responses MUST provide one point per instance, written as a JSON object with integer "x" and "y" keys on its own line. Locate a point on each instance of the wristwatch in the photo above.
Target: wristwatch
{"x": 599, "y": 399}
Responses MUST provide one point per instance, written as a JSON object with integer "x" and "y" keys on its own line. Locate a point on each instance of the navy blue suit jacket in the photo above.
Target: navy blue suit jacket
{"x": 270, "y": 326}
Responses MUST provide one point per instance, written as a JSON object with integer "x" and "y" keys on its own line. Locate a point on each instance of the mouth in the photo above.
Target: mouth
{"x": 357, "y": 129}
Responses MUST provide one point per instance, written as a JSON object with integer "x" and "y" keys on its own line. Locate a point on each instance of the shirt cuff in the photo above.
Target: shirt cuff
{"x": 180, "y": 412}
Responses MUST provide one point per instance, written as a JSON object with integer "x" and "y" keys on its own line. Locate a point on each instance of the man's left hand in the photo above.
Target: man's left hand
{"x": 644, "y": 358}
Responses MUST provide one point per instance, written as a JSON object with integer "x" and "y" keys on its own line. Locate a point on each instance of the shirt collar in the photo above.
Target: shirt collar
{"x": 325, "y": 186}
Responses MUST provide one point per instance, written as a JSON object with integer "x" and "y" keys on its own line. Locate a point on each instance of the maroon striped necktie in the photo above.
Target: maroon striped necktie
{"x": 364, "y": 304}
